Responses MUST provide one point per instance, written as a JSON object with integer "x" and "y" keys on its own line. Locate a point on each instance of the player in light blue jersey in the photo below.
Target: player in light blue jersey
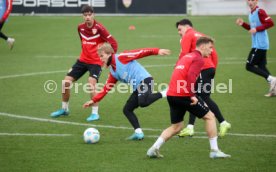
{"x": 5, "y": 10}
{"x": 259, "y": 22}
{"x": 124, "y": 67}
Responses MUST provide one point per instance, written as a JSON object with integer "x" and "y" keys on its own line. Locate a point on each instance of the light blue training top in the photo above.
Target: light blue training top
{"x": 259, "y": 39}
{"x": 132, "y": 73}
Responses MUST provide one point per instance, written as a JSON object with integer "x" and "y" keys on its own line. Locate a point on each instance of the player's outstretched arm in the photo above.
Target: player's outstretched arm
{"x": 163, "y": 52}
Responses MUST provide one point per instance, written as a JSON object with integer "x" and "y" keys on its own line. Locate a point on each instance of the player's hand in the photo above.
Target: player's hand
{"x": 163, "y": 52}
{"x": 253, "y": 31}
{"x": 239, "y": 21}
{"x": 88, "y": 104}
{"x": 194, "y": 100}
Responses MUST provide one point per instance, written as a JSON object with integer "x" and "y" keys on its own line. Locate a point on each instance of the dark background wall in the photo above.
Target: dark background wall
{"x": 101, "y": 6}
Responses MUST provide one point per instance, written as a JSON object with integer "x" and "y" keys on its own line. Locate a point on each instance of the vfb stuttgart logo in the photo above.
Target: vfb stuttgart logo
{"x": 127, "y": 3}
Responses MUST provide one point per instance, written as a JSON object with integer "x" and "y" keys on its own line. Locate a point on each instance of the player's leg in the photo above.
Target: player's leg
{"x": 202, "y": 111}
{"x": 10, "y": 41}
{"x": 189, "y": 130}
{"x": 177, "y": 112}
{"x": 207, "y": 76}
{"x": 94, "y": 75}
{"x": 252, "y": 62}
{"x": 130, "y": 106}
{"x": 270, "y": 79}
{"x": 145, "y": 95}
{"x": 77, "y": 71}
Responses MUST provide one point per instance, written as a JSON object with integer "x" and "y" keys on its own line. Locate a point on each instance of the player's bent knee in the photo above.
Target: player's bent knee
{"x": 209, "y": 116}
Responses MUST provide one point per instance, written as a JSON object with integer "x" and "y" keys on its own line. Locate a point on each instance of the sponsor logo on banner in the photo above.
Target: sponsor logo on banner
{"x": 127, "y": 3}
{"x": 59, "y": 3}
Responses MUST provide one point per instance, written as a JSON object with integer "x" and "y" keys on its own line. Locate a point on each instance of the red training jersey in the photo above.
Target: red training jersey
{"x": 185, "y": 73}
{"x": 90, "y": 39}
{"x": 188, "y": 45}
{"x": 266, "y": 21}
{"x": 8, "y": 10}
{"x": 124, "y": 57}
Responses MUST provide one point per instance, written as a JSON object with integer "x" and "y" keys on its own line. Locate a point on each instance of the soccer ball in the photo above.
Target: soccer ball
{"x": 91, "y": 135}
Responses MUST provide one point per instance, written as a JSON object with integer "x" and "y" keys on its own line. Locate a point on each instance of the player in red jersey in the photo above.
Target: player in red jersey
{"x": 91, "y": 35}
{"x": 181, "y": 98}
{"x": 5, "y": 10}
{"x": 189, "y": 37}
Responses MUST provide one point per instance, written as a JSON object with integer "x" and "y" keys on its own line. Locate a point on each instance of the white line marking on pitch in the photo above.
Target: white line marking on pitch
{"x": 34, "y": 134}
{"x": 146, "y": 66}
{"x": 115, "y": 127}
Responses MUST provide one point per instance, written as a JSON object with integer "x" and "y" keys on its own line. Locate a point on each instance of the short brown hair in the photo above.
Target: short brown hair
{"x": 105, "y": 47}
{"x": 86, "y": 9}
{"x": 204, "y": 40}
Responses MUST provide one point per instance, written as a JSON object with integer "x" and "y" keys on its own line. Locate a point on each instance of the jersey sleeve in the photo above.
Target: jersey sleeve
{"x": 111, "y": 81}
{"x": 246, "y": 26}
{"x": 131, "y": 55}
{"x": 186, "y": 43}
{"x": 8, "y": 10}
{"x": 266, "y": 21}
{"x": 106, "y": 36}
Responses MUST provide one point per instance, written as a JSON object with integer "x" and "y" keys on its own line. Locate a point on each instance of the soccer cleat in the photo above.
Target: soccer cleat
{"x": 93, "y": 117}
{"x": 60, "y": 112}
{"x": 218, "y": 154}
{"x": 10, "y": 42}
{"x": 272, "y": 89}
{"x": 136, "y": 136}
{"x": 154, "y": 153}
{"x": 186, "y": 132}
{"x": 270, "y": 95}
{"x": 224, "y": 127}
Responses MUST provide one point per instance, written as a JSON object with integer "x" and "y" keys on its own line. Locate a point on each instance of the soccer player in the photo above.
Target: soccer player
{"x": 188, "y": 40}
{"x": 91, "y": 35}
{"x": 124, "y": 67}
{"x": 181, "y": 98}
{"x": 5, "y": 10}
{"x": 259, "y": 22}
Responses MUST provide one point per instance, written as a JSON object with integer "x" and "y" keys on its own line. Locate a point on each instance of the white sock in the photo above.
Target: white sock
{"x": 190, "y": 126}
{"x": 164, "y": 93}
{"x": 65, "y": 106}
{"x": 138, "y": 130}
{"x": 95, "y": 109}
{"x": 269, "y": 78}
{"x": 214, "y": 143}
{"x": 223, "y": 122}
{"x": 159, "y": 142}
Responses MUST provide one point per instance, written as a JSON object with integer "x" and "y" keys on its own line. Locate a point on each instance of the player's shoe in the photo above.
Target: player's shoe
{"x": 186, "y": 132}
{"x": 270, "y": 95}
{"x": 218, "y": 154}
{"x": 10, "y": 42}
{"x": 136, "y": 136}
{"x": 60, "y": 112}
{"x": 272, "y": 89}
{"x": 154, "y": 153}
{"x": 93, "y": 117}
{"x": 223, "y": 128}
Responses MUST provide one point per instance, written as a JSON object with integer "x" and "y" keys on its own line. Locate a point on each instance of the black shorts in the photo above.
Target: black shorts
{"x": 80, "y": 68}
{"x": 257, "y": 57}
{"x": 179, "y": 106}
{"x": 204, "y": 82}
